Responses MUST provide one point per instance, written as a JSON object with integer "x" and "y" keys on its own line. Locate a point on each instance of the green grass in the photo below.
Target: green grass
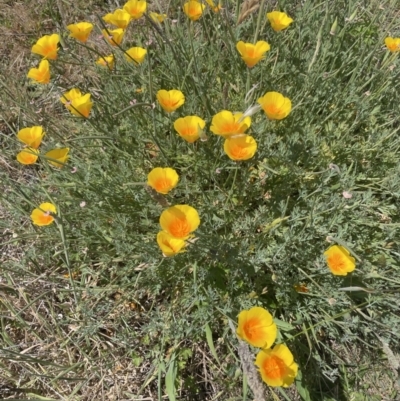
{"x": 90, "y": 309}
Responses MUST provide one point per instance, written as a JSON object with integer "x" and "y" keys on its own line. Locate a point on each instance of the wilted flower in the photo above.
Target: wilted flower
{"x": 256, "y": 326}
{"x": 46, "y": 46}
{"x": 213, "y": 6}
{"x": 241, "y": 147}
{"x": 106, "y": 61}
{"x": 339, "y": 260}
{"x": 277, "y": 366}
{"x": 41, "y": 74}
{"x": 193, "y": 9}
{"x": 189, "y": 127}
{"x": 80, "y": 31}
{"x": 162, "y": 180}
{"x": 157, "y": 17}
{"x": 113, "y": 37}
{"x": 77, "y": 103}
{"x": 28, "y": 156}
{"x": 57, "y": 157}
{"x": 136, "y": 54}
{"x": 252, "y": 54}
{"x": 300, "y": 288}
{"x": 42, "y": 216}
{"x": 31, "y": 136}
{"x": 226, "y": 124}
{"x": 278, "y": 20}
{"x": 275, "y": 105}
{"x": 170, "y": 100}
{"x": 179, "y": 221}
{"x": 169, "y": 245}
{"x": 120, "y": 18}
{"x": 393, "y": 44}
{"x": 135, "y": 8}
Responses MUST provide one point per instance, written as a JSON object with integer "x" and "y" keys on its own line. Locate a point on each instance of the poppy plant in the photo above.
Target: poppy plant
{"x": 339, "y": 260}
{"x": 80, "y": 31}
{"x": 46, "y": 46}
{"x": 41, "y": 74}
{"x": 189, "y": 127}
{"x": 157, "y": 17}
{"x": 113, "y": 37}
{"x": 169, "y": 245}
{"x": 226, "y": 124}
{"x": 43, "y": 215}
{"x": 106, "y": 61}
{"x": 279, "y": 20}
{"x": 193, "y": 9}
{"x": 170, "y": 100}
{"x": 275, "y": 105}
{"x": 277, "y": 366}
{"x": 31, "y": 136}
{"x": 252, "y": 54}
{"x": 120, "y": 18}
{"x": 136, "y": 54}
{"x": 162, "y": 180}
{"x": 241, "y": 147}
{"x": 135, "y": 8}
{"x": 179, "y": 221}
{"x": 28, "y": 156}
{"x": 57, "y": 157}
{"x": 393, "y": 44}
{"x": 256, "y": 326}
{"x": 78, "y": 104}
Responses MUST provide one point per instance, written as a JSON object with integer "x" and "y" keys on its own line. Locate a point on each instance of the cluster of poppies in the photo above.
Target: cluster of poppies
{"x": 256, "y": 326}
{"x": 32, "y": 138}
{"x": 179, "y": 222}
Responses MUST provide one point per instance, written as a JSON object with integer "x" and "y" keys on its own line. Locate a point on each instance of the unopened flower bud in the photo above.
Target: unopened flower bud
{"x": 352, "y": 16}
{"x": 333, "y": 27}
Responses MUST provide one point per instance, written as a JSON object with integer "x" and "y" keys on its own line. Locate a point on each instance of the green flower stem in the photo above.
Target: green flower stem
{"x": 260, "y": 15}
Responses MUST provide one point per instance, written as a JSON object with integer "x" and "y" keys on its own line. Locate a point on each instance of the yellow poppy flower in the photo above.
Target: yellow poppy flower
{"x": 393, "y": 44}
{"x": 339, "y": 260}
{"x": 80, "y": 31}
{"x": 213, "y": 6}
{"x": 226, "y": 124}
{"x": 189, "y": 127}
{"x": 193, "y": 9}
{"x": 162, "y": 180}
{"x": 57, "y": 157}
{"x": 277, "y": 366}
{"x": 78, "y": 104}
{"x": 170, "y": 100}
{"x": 256, "y": 326}
{"x": 120, "y": 18}
{"x": 113, "y": 37}
{"x": 241, "y": 147}
{"x": 157, "y": 17}
{"x": 275, "y": 105}
{"x": 42, "y": 216}
{"x": 136, "y": 54}
{"x": 41, "y": 74}
{"x": 28, "y": 156}
{"x": 31, "y": 136}
{"x": 135, "y": 8}
{"x": 169, "y": 245}
{"x": 179, "y": 221}
{"x": 46, "y": 46}
{"x": 278, "y": 20}
{"x": 252, "y": 54}
{"x": 107, "y": 61}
